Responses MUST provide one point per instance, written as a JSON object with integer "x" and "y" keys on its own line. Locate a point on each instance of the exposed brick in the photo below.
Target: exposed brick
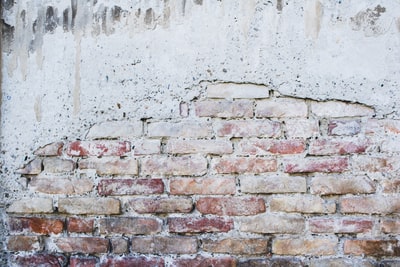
{"x": 316, "y": 164}
{"x": 271, "y": 262}
{"x": 334, "y": 185}
{"x": 389, "y": 263}
{"x": 338, "y": 146}
{"x": 52, "y": 149}
{"x": 98, "y": 148}
{"x": 231, "y": 206}
{"x": 248, "y": 128}
{"x": 344, "y": 127}
{"x": 116, "y": 187}
{"x": 340, "y": 109}
{"x": 224, "y": 108}
{"x": 56, "y": 165}
{"x": 89, "y": 205}
{"x": 24, "y": 243}
{"x": 110, "y": 166}
{"x": 374, "y": 248}
{"x": 42, "y": 226}
{"x": 161, "y": 205}
{"x": 370, "y": 204}
{"x": 391, "y": 186}
{"x": 115, "y": 129}
{"x": 281, "y": 108}
{"x": 184, "y": 165}
{"x": 273, "y": 184}
{"x": 366, "y": 163}
{"x": 390, "y": 226}
{"x": 200, "y": 261}
{"x": 83, "y": 261}
{"x": 314, "y": 247}
{"x": 60, "y": 185}
{"x": 129, "y": 226}
{"x": 342, "y": 262}
{"x": 132, "y": 261}
{"x": 303, "y": 204}
{"x": 301, "y": 128}
{"x": 39, "y": 259}
{"x": 244, "y": 165}
{"x": 80, "y": 225}
{"x": 391, "y": 144}
{"x": 199, "y": 224}
{"x": 234, "y": 90}
{"x": 198, "y": 146}
{"x": 32, "y": 167}
{"x": 202, "y": 186}
{"x": 340, "y": 225}
{"x": 164, "y": 245}
{"x": 273, "y": 224}
{"x": 147, "y": 147}
{"x": 249, "y": 246}
{"x": 268, "y": 146}
{"x": 82, "y": 244}
{"x": 179, "y": 129}
{"x": 119, "y": 245}
{"x": 31, "y": 205}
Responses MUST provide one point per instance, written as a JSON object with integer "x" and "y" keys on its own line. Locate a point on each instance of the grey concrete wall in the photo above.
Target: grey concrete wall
{"x": 67, "y": 65}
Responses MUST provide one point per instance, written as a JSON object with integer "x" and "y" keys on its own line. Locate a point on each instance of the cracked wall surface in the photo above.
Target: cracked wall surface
{"x": 69, "y": 65}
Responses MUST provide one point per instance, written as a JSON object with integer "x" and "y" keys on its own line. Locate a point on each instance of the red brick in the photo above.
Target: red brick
{"x": 340, "y": 225}
{"x": 200, "y": 261}
{"x": 273, "y": 223}
{"x": 334, "y": 185}
{"x": 390, "y": 226}
{"x": 184, "y": 165}
{"x": 199, "y": 224}
{"x": 32, "y": 167}
{"x": 164, "y": 245}
{"x": 272, "y": 262}
{"x": 340, "y": 109}
{"x": 370, "y": 204}
{"x": 314, "y": 164}
{"x": 391, "y": 186}
{"x": 366, "y": 163}
{"x": 110, "y": 166}
{"x": 119, "y": 245}
{"x": 89, "y": 205}
{"x": 80, "y": 225}
{"x": 57, "y": 165}
{"x": 51, "y": 149}
{"x": 273, "y": 184}
{"x": 248, "y": 128}
{"x": 237, "y": 90}
{"x": 98, "y": 148}
{"x": 132, "y": 261}
{"x": 224, "y": 108}
{"x": 177, "y": 146}
{"x": 90, "y": 245}
{"x": 24, "y": 243}
{"x": 160, "y": 205}
{"x": 281, "y": 108}
{"x": 179, "y": 129}
{"x": 374, "y": 248}
{"x": 343, "y": 262}
{"x": 42, "y": 226}
{"x": 147, "y": 147}
{"x": 343, "y": 127}
{"x": 301, "y": 128}
{"x": 231, "y": 206}
{"x": 32, "y": 205}
{"x": 338, "y": 146}
{"x": 202, "y": 186}
{"x": 248, "y": 246}
{"x": 115, "y": 187}
{"x": 302, "y": 203}
{"x": 61, "y": 185}
{"x": 115, "y": 129}
{"x": 39, "y": 259}
{"x": 129, "y": 226}
{"x": 268, "y": 147}
{"x": 319, "y": 246}
{"x": 83, "y": 261}
{"x": 244, "y": 165}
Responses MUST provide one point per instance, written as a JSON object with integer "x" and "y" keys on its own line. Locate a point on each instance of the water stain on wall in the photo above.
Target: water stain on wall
{"x": 312, "y": 16}
{"x": 369, "y": 21}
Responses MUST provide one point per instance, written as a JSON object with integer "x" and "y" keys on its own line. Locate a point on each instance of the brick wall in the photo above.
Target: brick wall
{"x": 245, "y": 177}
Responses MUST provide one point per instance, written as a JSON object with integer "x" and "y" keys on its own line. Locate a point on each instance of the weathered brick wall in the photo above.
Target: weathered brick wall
{"x": 246, "y": 177}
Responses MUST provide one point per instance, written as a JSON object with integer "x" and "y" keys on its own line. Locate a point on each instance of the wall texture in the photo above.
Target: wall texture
{"x": 198, "y": 133}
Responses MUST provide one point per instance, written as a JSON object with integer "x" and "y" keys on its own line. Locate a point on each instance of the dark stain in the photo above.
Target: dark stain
{"x": 116, "y": 13}
{"x": 279, "y": 5}
{"x": 198, "y": 2}
{"x": 23, "y": 18}
{"x": 138, "y": 12}
{"x": 104, "y": 19}
{"x": 7, "y": 4}
{"x": 65, "y": 20}
{"x": 379, "y": 10}
{"x": 149, "y": 17}
{"x": 368, "y": 19}
{"x": 51, "y": 21}
{"x": 74, "y": 8}
{"x": 183, "y": 7}
{"x": 7, "y": 34}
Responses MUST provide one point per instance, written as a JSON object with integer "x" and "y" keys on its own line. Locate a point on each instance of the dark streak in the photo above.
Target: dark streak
{"x": 51, "y": 20}
{"x": 149, "y": 17}
{"x": 74, "y": 7}
{"x": 198, "y": 2}
{"x": 279, "y": 5}
{"x": 183, "y": 7}
{"x": 116, "y": 13}
{"x": 65, "y": 20}
{"x": 7, "y": 36}
{"x": 104, "y": 20}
